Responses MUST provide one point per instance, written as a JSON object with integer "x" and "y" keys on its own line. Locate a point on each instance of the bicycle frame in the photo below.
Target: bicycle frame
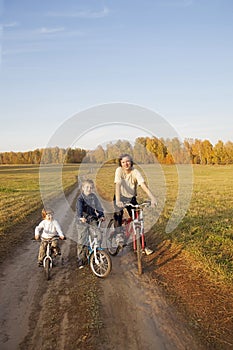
{"x": 98, "y": 258}
{"x": 134, "y": 223}
{"x": 48, "y": 255}
{"x": 49, "y": 252}
{"x": 138, "y": 223}
{"x": 133, "y": 227}
{"x": 92, "y": 247}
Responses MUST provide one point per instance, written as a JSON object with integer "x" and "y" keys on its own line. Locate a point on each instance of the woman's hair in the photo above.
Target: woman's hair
{"x": 46, "y": 211}
{"x": 123, "y": 156}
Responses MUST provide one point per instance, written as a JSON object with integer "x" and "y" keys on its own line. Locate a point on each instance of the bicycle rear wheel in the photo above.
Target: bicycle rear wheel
{"x": 47, "y": 269}
{"x": 139, "y": 250}
{"x": 102, "y": 265}
{"x": 112, "y": 245}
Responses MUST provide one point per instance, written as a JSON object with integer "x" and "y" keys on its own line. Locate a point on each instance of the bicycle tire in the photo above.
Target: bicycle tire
{"x": 139, "y": 250}
{"x": 111, "y": 243}
{"x": 47, "y": 269}
{"x": 104, "y": 267}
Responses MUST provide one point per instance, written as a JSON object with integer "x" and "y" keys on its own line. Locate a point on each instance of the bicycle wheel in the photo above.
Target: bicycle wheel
{"x": 102, "y": 265}
{"x": 47, "y": 268}
{"x": 139, "y": 250}
{"x": 112, "y": 245}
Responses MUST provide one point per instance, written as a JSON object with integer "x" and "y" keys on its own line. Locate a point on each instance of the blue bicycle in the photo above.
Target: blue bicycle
{"x": 98, "y": 259}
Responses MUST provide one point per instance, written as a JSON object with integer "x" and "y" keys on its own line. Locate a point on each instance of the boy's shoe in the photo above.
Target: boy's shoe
{"x": 40, "y": 263}
{"x": 119, "y": 240}
{"x": 148, "y": 251}
{"x": 56, "y": 252}
{"x": 80, "y": 264}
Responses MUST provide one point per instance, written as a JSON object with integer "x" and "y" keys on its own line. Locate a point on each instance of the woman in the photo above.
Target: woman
{"x": 127, "y": 178}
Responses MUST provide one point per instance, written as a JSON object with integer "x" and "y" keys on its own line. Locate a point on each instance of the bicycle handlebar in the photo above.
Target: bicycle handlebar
{"x": 99, "y": 221}
{"x": 51, "y": 239}
{"x": 141, "y": 205}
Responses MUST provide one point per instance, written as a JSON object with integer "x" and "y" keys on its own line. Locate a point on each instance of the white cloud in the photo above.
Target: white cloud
{"x": 81, "y": 14}
{"x": 45, "y": 30}
{"x": 61, "y": 31}
{"x": 22, "y": 50}
{"x": 177, "y": 3}
{"x": 10, "y": 25}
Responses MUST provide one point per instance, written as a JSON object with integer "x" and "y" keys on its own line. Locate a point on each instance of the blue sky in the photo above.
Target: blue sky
{"x": 61, "y": 57}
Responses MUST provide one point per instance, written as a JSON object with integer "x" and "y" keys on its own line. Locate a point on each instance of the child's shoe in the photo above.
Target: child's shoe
{"x": 148, "y": 251}
{"x": 80, "y": 264}
{"x": 56, "y": 251}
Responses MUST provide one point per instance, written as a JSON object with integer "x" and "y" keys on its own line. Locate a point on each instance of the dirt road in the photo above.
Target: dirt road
{"x": 75, "y": 310}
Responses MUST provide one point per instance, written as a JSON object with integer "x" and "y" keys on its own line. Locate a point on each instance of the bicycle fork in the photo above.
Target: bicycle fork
{"x": 47, "y": 256}
{"x": 138, "y": 226}
{"x": 94, "y": 247}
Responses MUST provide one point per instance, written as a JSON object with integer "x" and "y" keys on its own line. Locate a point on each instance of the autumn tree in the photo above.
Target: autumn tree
{"x": 219, "y": 153}
{"x": 229, "y": 151}
{"x": 140, "y": 153}
{"x": 206, "y": 152}
{"x": 99, "y": 154}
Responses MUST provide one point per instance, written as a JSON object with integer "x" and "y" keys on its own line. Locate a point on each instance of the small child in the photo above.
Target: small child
{"x": 89, "y": 211}
{"x": 51, "y": 228}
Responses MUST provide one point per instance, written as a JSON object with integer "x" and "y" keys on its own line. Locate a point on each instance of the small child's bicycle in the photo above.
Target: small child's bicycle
{"x": 49, "y": 258}
{"x": 133, "y": 231}
{"x": 98, "y": 259}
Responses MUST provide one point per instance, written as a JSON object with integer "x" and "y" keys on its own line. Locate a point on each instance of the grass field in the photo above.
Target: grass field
{"x": 206, "y": 230}
{"x": 20, "y": 190}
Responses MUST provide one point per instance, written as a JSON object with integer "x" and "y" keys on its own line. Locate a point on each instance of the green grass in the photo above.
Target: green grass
{"x": 206, "y": 230}
{"x": 20, "y": 190}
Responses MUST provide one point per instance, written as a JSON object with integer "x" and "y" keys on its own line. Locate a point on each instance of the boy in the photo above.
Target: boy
{"x": 89, "y": 211}
{"x": 51, "y": 229}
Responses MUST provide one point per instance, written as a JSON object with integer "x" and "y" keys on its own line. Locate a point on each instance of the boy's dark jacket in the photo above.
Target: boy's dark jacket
{"x": 89, "y": 206}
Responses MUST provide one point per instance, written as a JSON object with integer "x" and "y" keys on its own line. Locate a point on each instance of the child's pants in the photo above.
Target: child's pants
{"x": 84, "y": 230}
{"x": 43, "y": 246}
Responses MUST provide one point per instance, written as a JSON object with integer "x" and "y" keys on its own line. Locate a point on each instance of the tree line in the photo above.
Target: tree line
{"x": 51, "y": 155}
{"x": 144, "y": 150}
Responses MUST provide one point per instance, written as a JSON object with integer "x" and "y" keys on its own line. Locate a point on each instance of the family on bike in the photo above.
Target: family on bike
{"x": 89, "y": 211}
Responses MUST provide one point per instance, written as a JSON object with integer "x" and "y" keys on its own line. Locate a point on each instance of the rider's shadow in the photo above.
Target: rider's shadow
{"x": 162, "y": 255}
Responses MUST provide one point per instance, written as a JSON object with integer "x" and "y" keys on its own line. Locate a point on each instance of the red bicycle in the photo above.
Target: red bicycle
{"x": 133, "y": 232}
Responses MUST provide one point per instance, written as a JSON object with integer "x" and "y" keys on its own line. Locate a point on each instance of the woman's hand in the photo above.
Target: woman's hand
{"x": 153, "y": 202}
{"x": 119, "y": 204}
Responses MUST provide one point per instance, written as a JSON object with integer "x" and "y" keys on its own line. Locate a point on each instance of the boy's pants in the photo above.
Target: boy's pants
{"x": 43, "y": 246}
{"x": 84, "y": 230}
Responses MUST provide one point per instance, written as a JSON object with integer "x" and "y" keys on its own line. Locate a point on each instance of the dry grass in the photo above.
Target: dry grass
{"x": 206, "y": 231}
{"x": 20, "y": 190}
{"x": 194, "y": 263}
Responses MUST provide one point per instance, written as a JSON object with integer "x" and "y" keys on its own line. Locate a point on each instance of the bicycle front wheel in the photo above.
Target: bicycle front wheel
{"x": 139, "y": 250}
{"x": 112, "y": 245}
{"x": 101, "y": 265}
{"x": 47, "y": 268}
